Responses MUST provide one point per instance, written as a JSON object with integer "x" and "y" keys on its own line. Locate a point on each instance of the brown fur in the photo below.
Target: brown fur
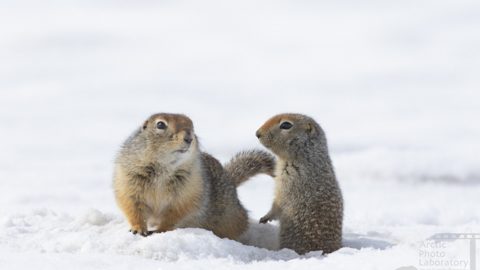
{"x": 163, "y": 182}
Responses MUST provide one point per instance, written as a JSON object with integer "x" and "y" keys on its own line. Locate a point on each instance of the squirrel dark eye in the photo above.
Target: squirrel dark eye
{"x": 286, "y": 125}
{"x": 161, "y": 125}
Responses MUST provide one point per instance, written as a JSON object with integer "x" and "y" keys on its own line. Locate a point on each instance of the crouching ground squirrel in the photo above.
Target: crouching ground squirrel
{"x": 308, "y": 201}
{"x": 163, "y": 181}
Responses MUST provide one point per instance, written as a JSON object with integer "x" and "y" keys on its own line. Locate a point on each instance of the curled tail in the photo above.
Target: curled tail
{"x": 249, "y": 163}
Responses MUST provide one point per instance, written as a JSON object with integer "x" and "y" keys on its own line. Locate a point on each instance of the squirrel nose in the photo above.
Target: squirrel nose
{"x": 188, "y": 138}
{"x": 258, "y": 134}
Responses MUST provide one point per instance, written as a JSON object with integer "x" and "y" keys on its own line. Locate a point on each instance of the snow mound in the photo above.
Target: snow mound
{"x": 95, "y": 232}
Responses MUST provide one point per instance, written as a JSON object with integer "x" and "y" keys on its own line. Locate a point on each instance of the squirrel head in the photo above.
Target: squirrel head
{"x": 289, "y": 134}
{"x": 170, "y": 135}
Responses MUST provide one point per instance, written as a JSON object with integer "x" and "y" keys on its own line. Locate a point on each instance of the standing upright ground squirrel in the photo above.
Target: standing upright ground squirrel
{"x": 308, "y": 201}
{"x": 162, "y": 180}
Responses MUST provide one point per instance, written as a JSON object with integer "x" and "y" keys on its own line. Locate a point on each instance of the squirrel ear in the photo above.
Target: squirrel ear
{"x": 145, "y": 125}
{"x": 311, "y": 129}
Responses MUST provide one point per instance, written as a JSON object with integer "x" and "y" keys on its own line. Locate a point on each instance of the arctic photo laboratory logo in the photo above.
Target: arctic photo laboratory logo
{"x": 447, "y": 251}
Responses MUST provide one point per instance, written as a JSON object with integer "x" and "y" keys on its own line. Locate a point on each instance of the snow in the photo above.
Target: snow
{"x": 395, "y": 85}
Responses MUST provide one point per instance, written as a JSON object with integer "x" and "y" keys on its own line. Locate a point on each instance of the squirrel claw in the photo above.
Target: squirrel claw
{"x": 142, "y": 233}
{"x": 146, "y": 233}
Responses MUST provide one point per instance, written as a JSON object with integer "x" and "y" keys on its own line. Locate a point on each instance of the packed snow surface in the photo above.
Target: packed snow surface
{"x": 395, "y": 85}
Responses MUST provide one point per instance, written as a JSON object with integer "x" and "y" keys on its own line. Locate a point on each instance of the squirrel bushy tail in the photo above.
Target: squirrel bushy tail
{"x": 247, "y": 164}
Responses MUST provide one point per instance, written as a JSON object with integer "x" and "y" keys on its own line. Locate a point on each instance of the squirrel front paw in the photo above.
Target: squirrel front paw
{"x": 265, "y": 219}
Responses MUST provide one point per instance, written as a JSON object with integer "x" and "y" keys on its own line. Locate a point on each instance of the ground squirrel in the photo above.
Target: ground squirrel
{"x": 308, "y": 201}
{"x": 162, "y": 180}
